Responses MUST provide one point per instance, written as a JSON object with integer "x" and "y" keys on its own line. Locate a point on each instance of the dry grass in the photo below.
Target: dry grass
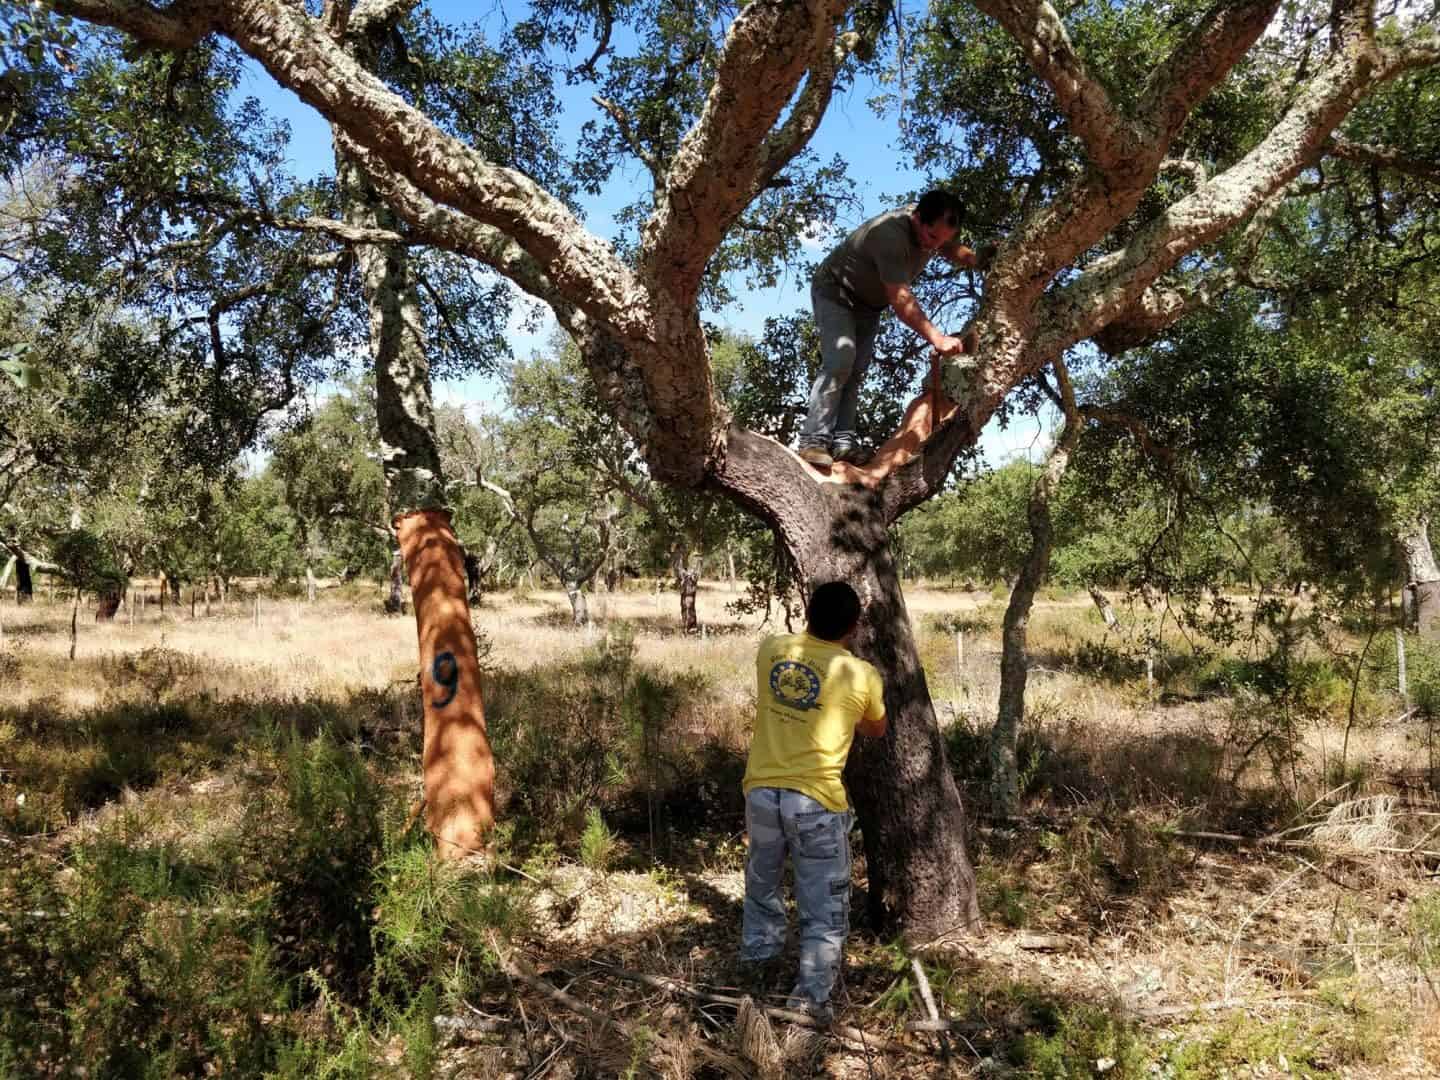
{"x": 1200, "y": 959}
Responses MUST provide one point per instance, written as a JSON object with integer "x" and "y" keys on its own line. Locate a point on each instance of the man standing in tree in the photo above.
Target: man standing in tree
{"x": 870, "y": 271}
{"x": 813, "y": 696}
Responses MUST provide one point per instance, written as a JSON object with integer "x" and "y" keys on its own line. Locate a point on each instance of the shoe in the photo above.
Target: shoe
{"x": 817, "y": 456}
{"x": 819, "y": 1011}
{"x": 857, "y": 454}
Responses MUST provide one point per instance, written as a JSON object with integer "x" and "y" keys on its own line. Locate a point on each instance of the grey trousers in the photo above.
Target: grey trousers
{"x": 782, "y": 822}
{"x": 847, "y": 345}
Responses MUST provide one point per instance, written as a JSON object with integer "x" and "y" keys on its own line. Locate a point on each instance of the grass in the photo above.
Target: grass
{"x": 207, "y": 863}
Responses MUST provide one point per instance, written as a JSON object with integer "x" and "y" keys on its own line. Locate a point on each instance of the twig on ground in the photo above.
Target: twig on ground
{"x": 1240, "y": 930}
{"x": 843, "y": 1031}
{"x": 517, "y": 967}
{"x": 929, "y": 999}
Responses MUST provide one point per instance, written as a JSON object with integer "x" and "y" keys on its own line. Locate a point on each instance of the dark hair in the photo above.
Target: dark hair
{"x": 833, "y": 611}
{"x": 937, "y": 204}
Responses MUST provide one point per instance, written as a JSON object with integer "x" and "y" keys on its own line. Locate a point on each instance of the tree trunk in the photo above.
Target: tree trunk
{"x": 579, "y": 611}
{"x": 395, "y": 594}
{"x": 1106, "y": 611}
{"x": 1014, "y": 662}
{"x": 174, "y": 582}
{"x": 24, "y": 584}
{"x": 458, "y": 766}
{"x": 472, "y": 578}
{"x": 457, "y": 762}
{"x": 688, "y": 580}
{"x": 920, "y": 880}
{"x": 107, "y": 604}
{"x": 1423, "y": 585}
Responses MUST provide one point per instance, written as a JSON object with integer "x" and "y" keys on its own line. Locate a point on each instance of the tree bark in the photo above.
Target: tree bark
{"x": 1014, "y": 661}
{"x": 1423, "y": 585}
{"x": 107, "y": 604}
{"x": 579, "y": 610}
{"x": 1103, "y": 605}
{"x": 473, "y": 577}
{"x": 395, "y": 592}
{"x": 688, "y": 580}
{"x": 24, "y": 584}
{"x": 458, "y": 766}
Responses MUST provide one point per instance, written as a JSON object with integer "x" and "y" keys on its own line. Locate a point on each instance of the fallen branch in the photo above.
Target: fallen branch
{"x": 929, "y": 999}
{"x": 1277, "y": 841}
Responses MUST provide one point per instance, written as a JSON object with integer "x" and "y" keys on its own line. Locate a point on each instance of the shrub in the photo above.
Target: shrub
{"x": 597, "y": 843}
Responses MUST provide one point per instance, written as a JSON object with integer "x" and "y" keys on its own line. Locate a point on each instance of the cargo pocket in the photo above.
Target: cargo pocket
{"x": 819, "y": 834}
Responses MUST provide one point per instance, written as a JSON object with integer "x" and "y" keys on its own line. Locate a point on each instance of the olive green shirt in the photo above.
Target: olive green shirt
{"x": 884, "y": 251}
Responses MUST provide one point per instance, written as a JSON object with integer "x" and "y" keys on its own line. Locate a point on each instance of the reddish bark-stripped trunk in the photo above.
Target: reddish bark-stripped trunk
{"x": 458, "y": 765}
{"x": 108, "y": 605}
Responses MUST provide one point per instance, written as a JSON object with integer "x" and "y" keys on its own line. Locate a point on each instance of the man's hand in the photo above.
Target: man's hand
{"x": 946, "y": 345}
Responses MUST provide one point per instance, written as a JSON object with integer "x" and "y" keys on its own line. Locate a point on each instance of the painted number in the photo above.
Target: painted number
{"x": 446, "y": 674}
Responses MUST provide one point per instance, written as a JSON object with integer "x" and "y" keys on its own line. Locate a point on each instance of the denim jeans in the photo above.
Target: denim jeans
{"x": 847, "y": 345}
{"x": 782, "y": 822}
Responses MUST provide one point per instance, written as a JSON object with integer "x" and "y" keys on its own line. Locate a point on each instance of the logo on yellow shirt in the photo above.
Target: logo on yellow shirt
{"x": 795, "y": 685}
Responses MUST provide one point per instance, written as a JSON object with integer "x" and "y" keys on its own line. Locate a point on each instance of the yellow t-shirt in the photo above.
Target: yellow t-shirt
{"x": 810, "y": 695}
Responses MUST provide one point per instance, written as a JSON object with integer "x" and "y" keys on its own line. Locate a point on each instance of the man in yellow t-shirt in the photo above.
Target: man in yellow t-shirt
{"x": 813, "y": 695}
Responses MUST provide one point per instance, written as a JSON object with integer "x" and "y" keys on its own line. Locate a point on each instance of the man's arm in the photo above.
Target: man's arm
{"x": 959, "y": 255}
{"x": 907, "y": 309}
{"x": 873, "y": 729}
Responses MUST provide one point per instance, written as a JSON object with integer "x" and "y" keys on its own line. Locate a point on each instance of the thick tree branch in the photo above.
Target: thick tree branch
{"x": 1114, "y": 283}
{"x": 368, "y": 14}
{"x": 1110, "y": 139}
{"x": 1161, "y": 306}
{"x": 1200, "y": 62}
{"x": 720, "y": 161}
{"x": 783, "y": 144}
{"x": 300, "y": 54}
{"x": 1385, "y": 156}
{"x": 177, "y": 25}
{"x": 450, "y": 230}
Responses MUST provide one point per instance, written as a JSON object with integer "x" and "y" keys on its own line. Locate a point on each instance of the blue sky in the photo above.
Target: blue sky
{"x": 851, "y": 129}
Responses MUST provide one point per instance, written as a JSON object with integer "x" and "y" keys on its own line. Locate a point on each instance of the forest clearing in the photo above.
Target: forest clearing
{"x": 199, "y": 812}
{"x": 592, "y": 538}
